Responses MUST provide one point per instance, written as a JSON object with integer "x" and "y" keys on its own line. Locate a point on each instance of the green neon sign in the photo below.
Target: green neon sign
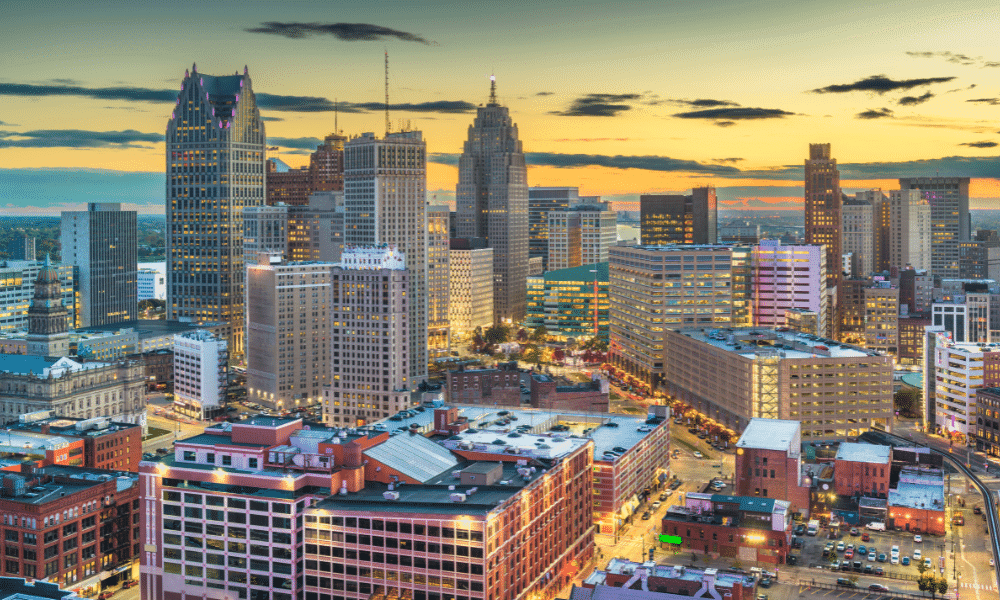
{"x": 670, "y": 539}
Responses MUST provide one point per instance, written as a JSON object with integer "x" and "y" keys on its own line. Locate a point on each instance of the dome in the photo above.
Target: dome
{"x": 48, "y": 273}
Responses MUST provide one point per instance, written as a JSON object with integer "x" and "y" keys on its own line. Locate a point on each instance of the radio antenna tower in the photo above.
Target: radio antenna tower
{"x": 387, "y": 126}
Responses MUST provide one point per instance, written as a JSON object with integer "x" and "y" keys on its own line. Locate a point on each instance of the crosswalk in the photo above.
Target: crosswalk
{"x": 980, "y": 586}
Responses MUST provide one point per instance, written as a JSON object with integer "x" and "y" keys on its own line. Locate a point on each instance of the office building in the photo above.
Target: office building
{"x": 151, "y": 281}
{"x": 492, "y": 202}
{"x": 769, "y": 463}
{"x": 916, "y": 290}
{"x": 958, "y": 371}
{"x": 823, "y": 206}
{"x": 288, "y": 330}
{"x": 470, "y": 293}
{"x": 835, "y": 391}
{"x": 948, "y": 198}
{"x": 785, "y": 277}
{"x": 739, "y": 232}
{"x": 858, "y": 222}
{"x": 654, "y": 288}
{"x": 536, "y": 266}
{"x": 580, "y": 235}
{"x": 967, "y": 319}
{"x": 881, "y": 225}
{"x": 988, "y": 421}
{"x": 909, "y": 230}
{"x": 316, "y": 230}
{"x": 17, "y": 289}
{"x": 882, "y": 317}
{"x": 265, "y": 229}
{"x": 21, "y": 247}
{"x": 370, "y": 373}
{"x": 570, "y": 303}
{"x": 911, "y": 338}
{"x": 438, "y": 281}
{"x": 201, "y": 374}
{"x": 802, "y": 321}
{"x": 385, "y": 201}
{"x": 851, "y": 310}
{"x": 541, "y": 202}
{"x": 325, "y": 173}
{"x": 679, "y": 219}
{"x": 106, "y": 444}
{"x": 101, "y": 245}
{"x": 979, "y": 259}
{"x": 215, "y": 169}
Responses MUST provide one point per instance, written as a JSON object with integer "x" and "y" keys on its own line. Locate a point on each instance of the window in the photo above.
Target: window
{"x": 252, "y": 463}
{"x": 190, "y": 456}
{"x": 227, "y": 461}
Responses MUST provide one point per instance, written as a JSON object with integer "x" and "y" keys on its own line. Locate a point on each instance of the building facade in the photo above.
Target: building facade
{"x": 201, "y": 374}
{"x": 959, "y": 374}
{"x": 22, "y": 247}
{"x": 325, "y": 173}
{"x": 101, "y": 244}
{"x": 17, "y": 289}
{"x": 882, "y": 318}
{"x": 580, "y": 235}
{"x": 385, "y": 200}
{"x": 438, "y": 281}
{"x": 909, "y": 230}
{"x": 570, "y": 303}
{"x": 785, "y": 277}
{"x": 470, "y": 293}
{"x": 678, "y": 219}
{"x": 858, "y": 223}
{"x": 492, "y": 202}
{"x": 988, "y": 421}
{"x": 948, "y": 198}
{"x": 823, "y": 206}
{"x": 288, "y": 330}
{"x": 541, "y": 202}
{"x": 151, "y": 281}
{"x": 215, "y": 168}
{"x": 769, "y": 463}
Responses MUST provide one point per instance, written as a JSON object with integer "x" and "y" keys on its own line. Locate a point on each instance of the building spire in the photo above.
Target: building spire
{"x": 493, "y": 90}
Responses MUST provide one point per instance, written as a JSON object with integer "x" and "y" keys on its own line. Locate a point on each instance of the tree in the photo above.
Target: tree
{"x": 540, "y": 333}
{"x": 497, "y": 333}
{"x": 942, "y": 586}
{"x": 921, "y": 568}
{"x": 906, "y": 401}
{"x": 929, "y": 583}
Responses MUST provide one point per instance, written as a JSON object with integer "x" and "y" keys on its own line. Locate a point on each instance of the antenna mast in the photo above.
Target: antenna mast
{"x": 336, "y": 114}
{"x": 387, "y": 126}
{"x": 493, "y": 90}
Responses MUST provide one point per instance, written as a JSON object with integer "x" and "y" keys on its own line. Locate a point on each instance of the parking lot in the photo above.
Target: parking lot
{"x": 932, "y": 547}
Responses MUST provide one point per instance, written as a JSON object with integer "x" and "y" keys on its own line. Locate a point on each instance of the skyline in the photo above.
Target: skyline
{"x": 616, "y": 101}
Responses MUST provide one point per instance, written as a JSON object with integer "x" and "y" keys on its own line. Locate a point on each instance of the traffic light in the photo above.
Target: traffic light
{"x": 652, "y": 552}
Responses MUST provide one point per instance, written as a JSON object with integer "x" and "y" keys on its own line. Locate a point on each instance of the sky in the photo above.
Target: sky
{"x": 618, "y": 98}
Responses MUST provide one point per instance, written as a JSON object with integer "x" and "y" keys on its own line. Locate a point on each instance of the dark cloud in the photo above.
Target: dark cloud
{"x": 915, "y": 100}
{"x": 703, "y": 103}
{"x": 545, "y": 93}
{"x": 875, "y": 113}
{"x": 347, "y": 32}
{"x": 135, "y": 94}
{"x": 65, "y": 81}
{"x": 725, "y": 123}
{"x": 980, "y": 144}
{"x": 880, "y": 84}
{"x": 727, "y": 160}
{"x": 299, "y": 103}
{"x": 263, "y": 118}
{"x": 990, "y": 101}
{"x": 305, "y": 143}
{"x": 437, "y": 106}
{"x": 647, "y": 163}
{"x": 599, "y": 105}
{"x": 76, "y": 138}
{"x": 957, "y": 58}
{"x": 735, "y": 114}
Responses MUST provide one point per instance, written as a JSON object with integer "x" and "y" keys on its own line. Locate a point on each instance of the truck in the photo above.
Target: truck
{"x": 813, "y": 527}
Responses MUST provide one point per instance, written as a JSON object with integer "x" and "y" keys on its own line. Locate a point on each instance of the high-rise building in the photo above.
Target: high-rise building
{"x": 570, "y": 303}
{"x": 916, "y": 290}
{"x": 470, "y": 303}
{"x": 48, "y": 319}
{"x": 958, "y": 371}
{"x": 949, "y": 201}
{"x": 370, "y": 335}
{"x": 101, "y": 244}
{"x": 851, "y": 310}
{"x": 316, "y": 230}
{"x": 492, "y": 202}
{"x": 215, "y": 168}
{"x": 385, "y": 201}
{"x": 858, "y": 222}
{"x": 581, "y": 235}
{"x": 325, "y": 173}
{"x": 438, "y": 281}
{"x": 882, "y": 318}
{"x": 151, "y": 281}
{"x": 785, "y": 277}
{"x": 201, "y": 374}
{"x": 881, "y": 221}
{"x": 21, "y": 247}
{"x": 654, "y": 288}
{"x": 909, "y": 230}
{"x": 679, "y": 219}
{"x": 979, "y": 259}
{"x": 288, "y": 331}
{"x": 17, "y": 289}
{"x": 823, "y": 206}
{"x": 265, "y": 229}
{"x": 541, "y": 202}
{"x": 967, "y": 318}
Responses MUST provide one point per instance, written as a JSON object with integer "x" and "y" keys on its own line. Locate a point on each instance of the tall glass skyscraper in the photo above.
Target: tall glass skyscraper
{"x": 215, "y": 168}
{"x": 492, "y": 203}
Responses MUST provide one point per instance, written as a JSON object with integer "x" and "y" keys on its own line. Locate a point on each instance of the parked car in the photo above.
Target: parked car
{"x": 905, "y": 561}
{"x": 840, "y": 546}
{"x": 131, "y": 583}
{"x": 869, "y": 569}
{"x": 917, "y": 539}
{"x": 927, "y": 563}
{"x": 844, "y": 582}
{"x": 106, "y": 595}
{"x": 881, "y": 558}
{"x": 656, "y": 505}
{"x": 916, "y": 554}
{"x": 865, "y": 537}
{"x": 977, "y": 510}
{"x": 646, "y": 515}
{"x": 862, "y": 550}
{"x": 698, "y": 454}
{"x": 765, "y": 582}
{"x": 854, "y": 531}
{"x": 663, "y": 496}
{"x": 879, "y": 571}
{"x": 878, "y": 587}
{"x": 800, "y": 530}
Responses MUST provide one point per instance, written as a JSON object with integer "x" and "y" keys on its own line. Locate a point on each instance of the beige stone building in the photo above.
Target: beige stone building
{"x": 834, "y": 390}
{"x": 882, "y": 318}
{"x": 438, "y": 281}
{"x": 471, "y": 290}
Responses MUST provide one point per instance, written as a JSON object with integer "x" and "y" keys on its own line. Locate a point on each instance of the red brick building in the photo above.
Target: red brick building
{"x": 664, "y": 579}
{"x": 547, "y": 393}
{"x": 497, "y": 387}
{"x": 769, "y": 463}
{"x": 105, "y": 444}
{"x": 862, "y": 469}
{"x": 325, "y": 173}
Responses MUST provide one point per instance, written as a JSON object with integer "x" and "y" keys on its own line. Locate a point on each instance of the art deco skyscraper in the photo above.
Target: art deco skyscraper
{"x": 492, "y": 203}
{"x": 215, "y": 168}
{"x": 385, "y": 202}
{"x": 822, "y": 206}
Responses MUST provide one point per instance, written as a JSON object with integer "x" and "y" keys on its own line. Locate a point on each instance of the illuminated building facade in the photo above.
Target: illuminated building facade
{"x": 470, "y": 294}
{"x": 677, "y": 219}
{"x": 438, "y": 281}
{"x": 570, "y": 303}
{"x": 785, "y": 277}
{"x": 823, "y": 206}
{"x": 948, "y": 198}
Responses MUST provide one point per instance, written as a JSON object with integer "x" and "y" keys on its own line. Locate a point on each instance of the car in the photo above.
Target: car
{"x": 917, "y": 539}
{"x": 840, "y": 546}
{"x": 719, "y": 485}
{"x": 878, "y": 587}
{"x": 862, "y": 550}
{"x": 792, "y": 559}
{"x": 799, "y": 530}
{"x": 991, "y": 562}
{"x": 977, "y": 510}
{"x": 927, "y": 563}
{"x": 905, "y": 561}
{"x": 872, "y": 557}
{"x": 879, "y": 571}
{"x": 876, "y": 526}
{"x": 761, "y": 596}
{"x": 827, "y": 549}
{"x": 162, "y": 451}
{"x": 678, "y": 421}
{"x": 131, "y": 583}
{"x": 916, "y": 554}
{"x": 869, "y": 570}
{"x": 667, "y": 494}
{"x": 854, "y": 531}
{"x": 656, "y": 505}
{"x": 106, "y": 595}
{"x": 644, "y": 428}
{"x": 611, "y": 424}
{"x": 698, "y": 454}
{"x": 692, "y": 430}
{"x": 845, "y": 582}
{"x": 765, "y": 582}
{"x": 663, "y": 496}
{"x": 894, "y": 560}
{"x": 849, "y": 554}
{"x": 646, "y": 515}
{"x": 620, "y": 450}
{"x": 865, "y": 537}
{"x": 881, "y": 558}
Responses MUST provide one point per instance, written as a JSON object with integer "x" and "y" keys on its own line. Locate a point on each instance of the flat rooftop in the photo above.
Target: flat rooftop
{"x": 748, "y": 341}
{"x": 521, "y": 444}
{"x": 771, "y": 434}
{"x": 71, "y": 480}
{"x": 866, "y": 453}
{"x": 147, "y": 328}
{"x": 620, "y": 566}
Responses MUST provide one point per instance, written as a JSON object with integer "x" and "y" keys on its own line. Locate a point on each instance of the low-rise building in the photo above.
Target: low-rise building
{"x": 863, "y": 470}
{"x": 500, "y": 386}
{"x": 988, "y": 421}
{"x": 571, "y": 303}
{"x": 548, "y": 393}
{"x": 201, "y": 366}
{"x": 107, "y": 444}
{"x": 916, "y": 503}
{"x": 623, "y": 579}
{"x": 769, "y": 463}
{"x": 18, "y": 588}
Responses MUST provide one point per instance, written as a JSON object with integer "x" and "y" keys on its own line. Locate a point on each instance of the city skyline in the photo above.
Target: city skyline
{"x": 617, "y": 101}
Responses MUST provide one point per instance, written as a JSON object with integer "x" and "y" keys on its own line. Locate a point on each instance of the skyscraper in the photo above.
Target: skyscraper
{"x": 858, "y": 223}
{"x": 581, "y": 235}
{"x": 788, "y": 277}
{"x": 492, "y": 203}
{"x": 470, "y": 296}
{"x": 325, "y": 173}
{"x": 822, "y": 207}
{"x": 541, "y": 202}
{"x": 679, "y": 219}
{"x": 881, "y": 221}
{"x": 949, "y": 200}
{"x": 101, "y": 244}
{"x": 438, "y": 275}
{"x": 385, "y": 202}
{"x": 909, "y": 230}
{"x": 215, "y": 168}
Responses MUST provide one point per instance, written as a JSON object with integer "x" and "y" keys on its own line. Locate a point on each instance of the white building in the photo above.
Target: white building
{"x": 785, "y": 277}
{"x": 471, "y": 292}
{"x": 967, "y": 318}
{"x": 581, "y": 235}
{"x": 909, "y": 230}
{"x": 958, "y": 369}
{"x": 151, "y": 281}
{"x": 200, "y": 373}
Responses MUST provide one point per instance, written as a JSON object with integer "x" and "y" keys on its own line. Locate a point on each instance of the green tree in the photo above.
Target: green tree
{"x": 929, "y": 583}
{"x": 532, "y": 355}
{"x": 942, "y": 586}
{"x": 497, "y": 333}
{"x": 921, "y": 567}
{"x": 540, "y": 333}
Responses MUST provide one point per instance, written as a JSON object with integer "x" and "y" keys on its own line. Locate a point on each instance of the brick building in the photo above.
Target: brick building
{"x": 769, "y": 463}
{"x": 988, "y": 421}
{"x": 547, "y": 393}
{"x": 862, "y": 469}
{"x": 106, "y": 444}
{"x": 653, "y": 582}
{"x": 500, "y": 386}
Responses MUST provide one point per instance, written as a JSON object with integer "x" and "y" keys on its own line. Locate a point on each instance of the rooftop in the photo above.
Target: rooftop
{"x": 151, "y": 328}
{"x": 413, "y": 455}
{"x": 16, "y": 588}
{"x": 771, "y": 434}
{"x": 620, "y": 566}
{"x": 42, "y": 366}
{"x": 866, "y": 453}
{"x": 583, "y": 273}
{"x": 748, "y": 341}
{"x": 58, "y": 481}
{"x": 919, "y": 488}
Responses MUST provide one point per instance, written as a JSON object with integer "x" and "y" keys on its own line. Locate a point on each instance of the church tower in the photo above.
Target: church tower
{"x": 48, "y": 330}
